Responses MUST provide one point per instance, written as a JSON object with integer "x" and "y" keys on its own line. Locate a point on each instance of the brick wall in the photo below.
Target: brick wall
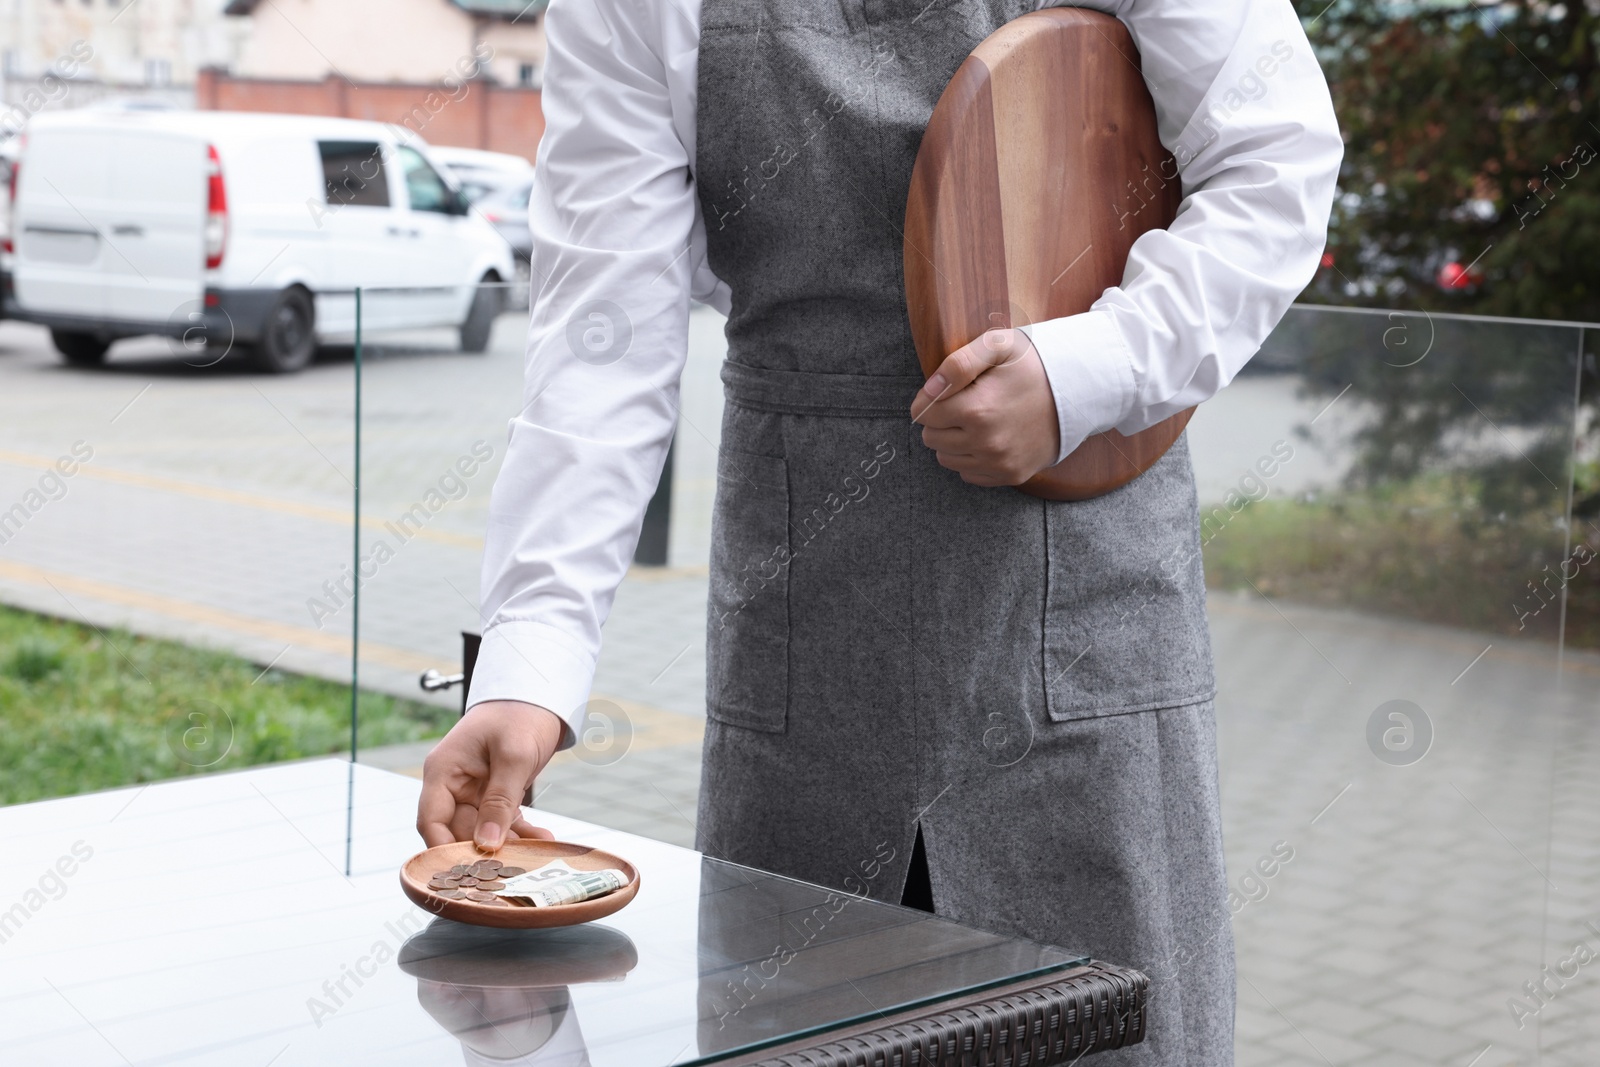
{"x": 475, "y": 115}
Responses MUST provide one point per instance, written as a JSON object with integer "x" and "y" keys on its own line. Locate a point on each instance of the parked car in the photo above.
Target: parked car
{"x": 8, "y": 161}
{"x": 246, "y": 229}
{"x": 506, "y": 209}
{"x": 479, "y": 172}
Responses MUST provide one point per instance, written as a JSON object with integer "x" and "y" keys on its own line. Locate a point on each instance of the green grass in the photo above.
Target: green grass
{"x": 1424, "y": 551}
{"x": 80, "y": 711}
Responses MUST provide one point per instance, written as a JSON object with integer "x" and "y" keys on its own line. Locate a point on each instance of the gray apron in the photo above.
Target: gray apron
{"x": 891, "y": 650}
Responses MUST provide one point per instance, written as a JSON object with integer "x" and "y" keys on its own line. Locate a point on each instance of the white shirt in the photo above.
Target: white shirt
{"x": 1241, "y": 104}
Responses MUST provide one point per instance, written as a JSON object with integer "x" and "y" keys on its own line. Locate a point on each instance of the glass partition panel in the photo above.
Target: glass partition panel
{"x": 167, "y": 512}
{"x": 1399, "y": 518}
{"x": 436, "y": 401}
{"x": 1406, "y": 632}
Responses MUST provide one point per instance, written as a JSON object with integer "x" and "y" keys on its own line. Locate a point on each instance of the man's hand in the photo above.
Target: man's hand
{"x": 988, "y": 412}
{"x": 474, "y": 779}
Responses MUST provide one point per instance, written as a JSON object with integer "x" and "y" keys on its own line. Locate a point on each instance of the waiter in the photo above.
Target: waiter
{"x": 922, "y": 684}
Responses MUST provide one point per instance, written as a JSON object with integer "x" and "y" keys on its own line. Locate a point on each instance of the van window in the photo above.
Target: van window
{"x": 427, "y": 190}
{"x": 352, "y": 173}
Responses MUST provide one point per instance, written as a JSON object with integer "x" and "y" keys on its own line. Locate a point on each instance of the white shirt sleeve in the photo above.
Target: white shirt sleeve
{"x": 1244, "y": 108}
{"x": 618, "y": 249}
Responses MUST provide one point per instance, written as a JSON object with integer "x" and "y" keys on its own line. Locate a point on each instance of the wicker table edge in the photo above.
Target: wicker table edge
{"x": 1036, "y": 1023}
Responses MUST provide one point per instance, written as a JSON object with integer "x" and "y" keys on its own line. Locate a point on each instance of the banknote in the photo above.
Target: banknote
{"x": 547, "y": 892}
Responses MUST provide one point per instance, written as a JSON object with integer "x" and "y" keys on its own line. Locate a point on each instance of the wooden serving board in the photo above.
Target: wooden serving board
{"x": 1040, "y": 167}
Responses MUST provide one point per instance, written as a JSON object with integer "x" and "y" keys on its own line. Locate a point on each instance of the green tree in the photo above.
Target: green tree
{"x": 1472, "y": 134}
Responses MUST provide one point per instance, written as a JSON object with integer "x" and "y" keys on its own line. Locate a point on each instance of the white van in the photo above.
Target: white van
{"x": 241, "y": 229}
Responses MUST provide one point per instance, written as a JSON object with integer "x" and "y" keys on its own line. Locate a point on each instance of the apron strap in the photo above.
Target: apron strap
{"x": 791, "y": 392}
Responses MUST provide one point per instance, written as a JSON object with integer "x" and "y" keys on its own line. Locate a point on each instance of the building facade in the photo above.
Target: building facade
{"x": 405, "y": 41}
{"x": 464, "y": 73}
{"x": 68, "y": 53}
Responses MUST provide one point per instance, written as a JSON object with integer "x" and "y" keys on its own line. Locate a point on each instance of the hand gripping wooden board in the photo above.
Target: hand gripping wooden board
{"x": 1039, "y": 168}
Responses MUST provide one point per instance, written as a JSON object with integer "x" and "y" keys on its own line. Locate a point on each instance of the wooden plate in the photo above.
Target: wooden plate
{"x": 527, "y": 853}
{"x": 1040, "y": 166}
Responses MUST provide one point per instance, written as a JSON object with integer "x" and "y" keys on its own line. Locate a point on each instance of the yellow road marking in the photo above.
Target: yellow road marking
{"x": 652, "y": 727}
{"x": 218, "y": 618}
{"x": 218, "y": 494}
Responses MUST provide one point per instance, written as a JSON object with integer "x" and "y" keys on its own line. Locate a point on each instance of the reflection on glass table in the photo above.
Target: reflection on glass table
{"x": 505, "y": 993}
{"x": 211, "y": 920}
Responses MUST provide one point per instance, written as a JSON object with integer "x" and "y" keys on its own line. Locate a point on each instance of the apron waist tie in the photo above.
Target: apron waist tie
{"x": 790, "y": 392}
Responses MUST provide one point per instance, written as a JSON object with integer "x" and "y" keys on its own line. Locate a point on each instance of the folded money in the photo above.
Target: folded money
{"x": 549, "y": 892}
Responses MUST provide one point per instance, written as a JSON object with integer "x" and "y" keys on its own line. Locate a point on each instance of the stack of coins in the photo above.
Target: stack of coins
{"x": 475, "y": 881}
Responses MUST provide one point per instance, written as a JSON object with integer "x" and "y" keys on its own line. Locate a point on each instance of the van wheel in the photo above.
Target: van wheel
{"x": 80, "y": 349}
{"x": 287, "y": 339}
{"x": 480, "y": 317}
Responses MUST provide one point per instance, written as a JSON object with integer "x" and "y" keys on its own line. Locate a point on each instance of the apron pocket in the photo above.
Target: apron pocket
{"x": 747, "y": 636}
{"x": 1125, "y": 610}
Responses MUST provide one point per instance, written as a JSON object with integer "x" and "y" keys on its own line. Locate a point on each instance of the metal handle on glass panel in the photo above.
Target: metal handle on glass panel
{"x": 432, "y": 681}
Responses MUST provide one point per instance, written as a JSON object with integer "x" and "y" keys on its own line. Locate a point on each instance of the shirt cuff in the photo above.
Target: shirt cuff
{"x": 536, "y": 664}
{"x": 1090, "y": 372}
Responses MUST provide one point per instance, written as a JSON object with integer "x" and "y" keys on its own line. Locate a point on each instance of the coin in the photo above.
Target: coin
{"x": 491, "y": 885}
{"x": 467, "y": 883}
{"x": 481, "y": 898}
{"x": 460, "y": 868}
{"x": 491, "y": 864}
{"x": 510, "y": 872}
{"x": 453, "y": 894}
{"x": 494, "y": 902}
{"x": 441, "y": 883}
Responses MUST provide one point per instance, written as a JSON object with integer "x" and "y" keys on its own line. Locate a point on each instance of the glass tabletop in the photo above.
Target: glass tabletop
{"x": 210, "y": 920}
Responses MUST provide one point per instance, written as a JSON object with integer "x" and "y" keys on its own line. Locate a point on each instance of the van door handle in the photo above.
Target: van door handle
{"x": 128, "y": 229}
{"x": 396, "y": 231}
{"x": 62, "y": 231}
